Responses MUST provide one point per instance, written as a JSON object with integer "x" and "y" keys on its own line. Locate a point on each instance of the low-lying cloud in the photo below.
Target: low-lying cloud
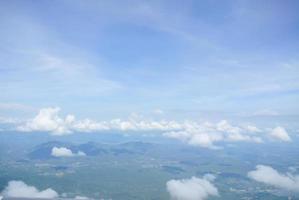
{"x": 207, "y": 134}
{"x": 65, "y": 152}
{"x": 19, "y": 189}
{"x": 281, "y": 134}
{"x": 192, "y": 189}
{"x": 81, "y": 198}
{"x": 48, "y": 120}
{"x": 198, "y": 134}
{"x": 268, "y": 175}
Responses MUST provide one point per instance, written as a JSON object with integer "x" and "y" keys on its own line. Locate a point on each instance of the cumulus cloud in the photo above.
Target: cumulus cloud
{"x": 207, "y": 134}
{"x": 198, "y": 134}
{"x": 224, "y": 126}
{"x": 19, "y": 189}
{"x": 61, "y": 152}
{"x": 205, "y": 140}
{"x": 252, "y": 129}
{"x": 269, "y": 176}
{"x": 281, "y": 134}
{"x": 65, "y": 152}
{"x": 48, "y": 120}
{"x": 192, "y": 189}
{"x": 242, "y": 137}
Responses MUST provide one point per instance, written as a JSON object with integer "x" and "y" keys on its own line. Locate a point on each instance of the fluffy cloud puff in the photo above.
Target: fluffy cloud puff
{"x": 65, "y": 152}
{"x": 20, "y": 189}
{"x": 207, "y": 134}
{"x": 192, "y": 189}
{"x": 48, "y": 120}
{"x": 269, "y": 176}
{"x": 281, "y": 134}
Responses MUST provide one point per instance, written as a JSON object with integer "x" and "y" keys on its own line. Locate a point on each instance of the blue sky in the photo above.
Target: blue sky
{"x": 189, "y": 59}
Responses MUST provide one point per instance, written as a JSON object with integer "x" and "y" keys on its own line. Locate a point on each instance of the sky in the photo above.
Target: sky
{"x": 176, "y": 59}
{"x": 204, "y": 72}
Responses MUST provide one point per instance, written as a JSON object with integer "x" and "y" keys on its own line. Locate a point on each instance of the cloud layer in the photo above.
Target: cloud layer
{"x": 191, "y": 189}
{"x": 48, "y": 120}
{"x": 268, "y": 175}
{"x": 22, "y": 190}
{"x": 198, "y": 134}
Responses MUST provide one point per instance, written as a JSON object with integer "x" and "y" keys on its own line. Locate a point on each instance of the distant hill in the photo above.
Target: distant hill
{"x": 135, "y": 147}
{"x": 43, "y": 151}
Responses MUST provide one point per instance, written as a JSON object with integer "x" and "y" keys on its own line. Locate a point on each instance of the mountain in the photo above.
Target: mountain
{"x": 43, "y": 151}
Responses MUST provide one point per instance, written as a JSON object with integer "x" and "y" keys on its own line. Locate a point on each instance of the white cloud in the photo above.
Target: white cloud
{"x": 88, "y": 125}
{"x": 234, "y": 134}
{"x": 81, "y": 198}
{"x": 207, "y": 134}
{"x": 194, "y": 133}
{"x": 224, "y": 126}
{"x": 196, "y": 137}
{"x": 48, "y": 120}
{"x": 192, "y": 189}
{"x": 205, "y": 140}
{"x": 252, "y": 129}
{"x": 241, "y": 137}
{"x": 22, "y": 190}
{"x": 81, "y": 153}
{"x": 61, "y": 152}
{"x": 209, "y": 177}
{"x": 281, "y": 134}
{"x": 269, "y": 176}
{"x": 65, "y": 152}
